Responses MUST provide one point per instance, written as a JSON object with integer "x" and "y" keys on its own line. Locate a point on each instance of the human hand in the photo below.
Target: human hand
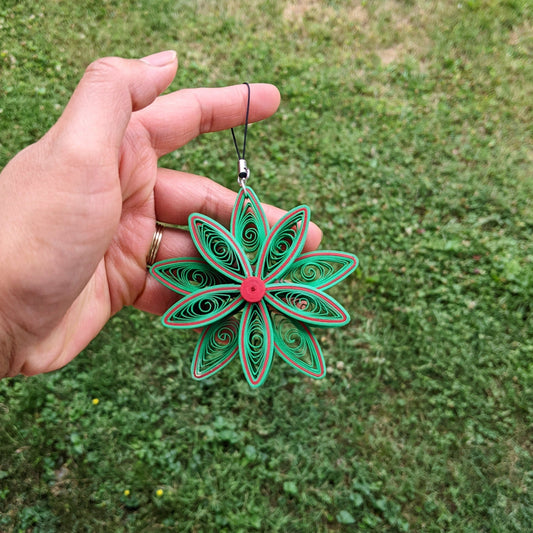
{"x": 78, "y": 208}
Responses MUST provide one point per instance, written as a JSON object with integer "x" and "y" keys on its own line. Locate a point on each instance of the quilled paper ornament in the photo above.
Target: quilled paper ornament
{"x": 252, "y": 290}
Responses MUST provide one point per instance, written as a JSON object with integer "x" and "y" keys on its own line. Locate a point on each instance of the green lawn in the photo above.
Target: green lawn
{"x": 406, "y": 126}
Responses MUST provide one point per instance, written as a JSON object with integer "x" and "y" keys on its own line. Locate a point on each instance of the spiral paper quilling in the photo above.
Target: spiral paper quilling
{"x": 254, "y": 293}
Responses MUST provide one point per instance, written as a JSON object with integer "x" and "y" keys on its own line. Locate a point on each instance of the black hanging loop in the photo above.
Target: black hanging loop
{"x": 243, "y": 170}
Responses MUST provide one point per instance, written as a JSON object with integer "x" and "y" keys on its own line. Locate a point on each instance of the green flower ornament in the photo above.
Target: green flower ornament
{"x": 254, "y": 293}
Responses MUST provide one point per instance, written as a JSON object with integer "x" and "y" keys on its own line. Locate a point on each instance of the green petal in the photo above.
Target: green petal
{"x": 307, "y": 304}
{"x": 321, "y": 269}
{"x": 219, "y": 248}
{"x": 186, "y": 274}
{"x": 295, "y": 343}
{"x": 249, "y": 224}
{"x": 204, "y": 307}
{"x": 256, "y": 343}
{"x": 283, "y": 244}
{"x": 217, "y": 346}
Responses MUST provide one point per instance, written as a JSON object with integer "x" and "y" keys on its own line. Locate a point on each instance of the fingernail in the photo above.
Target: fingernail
{"x": 160, "y": 59}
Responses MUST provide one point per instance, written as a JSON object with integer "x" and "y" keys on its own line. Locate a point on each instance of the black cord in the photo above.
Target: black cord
{"x": 245, "y": 129}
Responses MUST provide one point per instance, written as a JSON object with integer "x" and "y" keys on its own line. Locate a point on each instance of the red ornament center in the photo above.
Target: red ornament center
{"x": 253, "y": 289}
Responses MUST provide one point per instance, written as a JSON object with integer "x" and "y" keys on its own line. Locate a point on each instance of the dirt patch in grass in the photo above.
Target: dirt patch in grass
{"x": 300, "y": 9}
{"x": 391, "y": 30}
{"x": 399, "y": 30}
{"x": 390, "y": 55}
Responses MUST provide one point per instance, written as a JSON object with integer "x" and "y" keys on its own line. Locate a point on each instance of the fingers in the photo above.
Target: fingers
{"x": 177, "y": 195}
{"x": 100, "y": 108}
{"x": 175, "y": 242}
{"x": 174, "y": 119}
{"x": 155, "y": 298}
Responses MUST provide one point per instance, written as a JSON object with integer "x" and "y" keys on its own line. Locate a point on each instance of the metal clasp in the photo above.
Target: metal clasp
{"x": 244, "y": 173}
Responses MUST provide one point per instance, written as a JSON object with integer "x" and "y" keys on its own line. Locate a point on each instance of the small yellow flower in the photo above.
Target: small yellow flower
{"x": 96, "y": 401}
{"x": 126, "y": 492}
{"x": 159, "y": 493}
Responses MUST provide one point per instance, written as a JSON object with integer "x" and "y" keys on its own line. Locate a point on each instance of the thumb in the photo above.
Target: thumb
{"x": 109, "y": 91}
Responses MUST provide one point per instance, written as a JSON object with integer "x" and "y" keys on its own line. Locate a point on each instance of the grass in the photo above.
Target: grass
{"x": 406, "y": 126}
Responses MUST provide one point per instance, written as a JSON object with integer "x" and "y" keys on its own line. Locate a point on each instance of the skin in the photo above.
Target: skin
{"x": 78, "y": 208}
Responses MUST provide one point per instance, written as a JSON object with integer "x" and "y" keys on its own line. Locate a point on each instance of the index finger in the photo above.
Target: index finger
{"x": 175, "y": 119}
